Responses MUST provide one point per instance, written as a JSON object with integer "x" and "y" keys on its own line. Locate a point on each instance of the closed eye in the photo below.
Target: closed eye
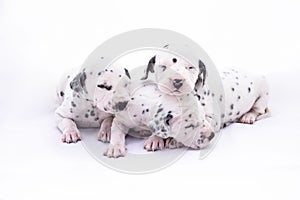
{"x": 163, "y": 67}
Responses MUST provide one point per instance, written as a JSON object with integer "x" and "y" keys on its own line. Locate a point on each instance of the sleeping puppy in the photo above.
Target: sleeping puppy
{"x": 163, "y": 110}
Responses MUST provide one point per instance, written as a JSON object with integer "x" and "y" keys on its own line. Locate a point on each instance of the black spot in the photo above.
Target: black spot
{"x": 99, "y": 73}
{"x": 97, "y": 118}
{"x": 238, "y": 113}
{"x": 92, "y": 113}
{"x": 120, "y": 105}
{"x": 212, "y": 135}
{"x": 249, "y": 89}
{"x": 143, "y": 104}
{"x": 120, "y": 75}
{"x": 169, "y": 111}
{"x": 134, "y": 115}
{"x": 204, "y": 92}
{"x": 251, "y": 83}
{"x": 230, "y": 113}
{"x": 198, "y": 96}
{"x": 71, "y": 110}
{"x": 208, "y": 92}
{"x": 239, "y": 97}
{"x": 168, "y": 118}
{"x": 231, "y": 106}
{"x": 68, "y": 76}
{"x": 86, "y": 115}
{"x": 232, "y": 89}
{"x": 223, "y": 115}
{"x": 91, "y": 73}
{"x": 111, "y": 70}
{"x": 163, "y": 129}
{"x": 267, "y": 93}
{"x": 174, "y": 60}
{"x": 77, "y": 116}
{"x": 237, "y": 83}
{"x": 73, "y": 104}
{"x": 104, "y": 86}
{"x": 62, "y": 93}
{"x": 212, "y": 94}
{"x": 190, "y": 115}
{"x": 190, "y": 126}
{"x": 159, "y": 110}
{"x": 202, "y": 104}
{"x": 147, "y": 110}
{"x": 143, "y": 111}
{"x": 132, "y": 98}
{"x": 221, "y": 98}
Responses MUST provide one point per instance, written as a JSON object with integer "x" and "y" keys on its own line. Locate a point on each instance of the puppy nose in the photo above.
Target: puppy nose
{"x": 177, "y": 83}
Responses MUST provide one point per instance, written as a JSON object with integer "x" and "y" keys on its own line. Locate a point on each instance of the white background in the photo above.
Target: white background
{"x": 39, "y": 40}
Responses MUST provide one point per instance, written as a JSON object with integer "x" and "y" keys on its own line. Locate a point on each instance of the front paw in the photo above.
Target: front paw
{"x": 115, "y": 151}
{"x": 71, "y": 136}
{"x": 154, "y": 143}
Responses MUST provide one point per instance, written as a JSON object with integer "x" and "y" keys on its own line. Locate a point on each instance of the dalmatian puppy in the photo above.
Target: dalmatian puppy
{"x": 77, "y": 108}
{"x": 161, "y": 110}
{"x": 245, "y": 96}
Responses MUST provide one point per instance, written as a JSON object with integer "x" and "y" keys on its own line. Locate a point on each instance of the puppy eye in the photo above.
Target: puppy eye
{"x": 163, "y": 67}
{"x": 174, "y": 60}
{"x": 191, "y": 67}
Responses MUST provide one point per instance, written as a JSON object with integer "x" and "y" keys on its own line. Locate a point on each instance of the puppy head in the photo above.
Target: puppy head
{"x": 110, "y": 80}
{"x": 175, "y": 75}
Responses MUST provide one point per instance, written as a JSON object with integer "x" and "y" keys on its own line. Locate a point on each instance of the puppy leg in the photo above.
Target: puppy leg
{"x": 105, "y": 130}
{"x": 259, "y": 109}
{"x": 154, "y": 143}
{"x": 68, "y": 129}
{"x": 117, "y": 141}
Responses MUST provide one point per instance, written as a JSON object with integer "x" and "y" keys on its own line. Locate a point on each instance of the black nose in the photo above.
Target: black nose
{"x": 177, "y": 83}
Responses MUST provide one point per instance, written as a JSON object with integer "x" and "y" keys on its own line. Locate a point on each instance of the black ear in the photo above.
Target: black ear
{"x": 150, "y": 68}
{"x": 202, "y": 75}
{"x": 127, "y": 73}
{"x": 78, "y": 83}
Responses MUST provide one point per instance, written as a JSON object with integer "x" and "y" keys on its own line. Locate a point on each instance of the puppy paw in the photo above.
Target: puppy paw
{"x": 115, "y": 151}
{"x": 171, "y": 143}
{"x": 248, "y": 118}
{"x": 71, "y": 136}
{"x": 202, "y": 138}
{"x": 154, "y": 143}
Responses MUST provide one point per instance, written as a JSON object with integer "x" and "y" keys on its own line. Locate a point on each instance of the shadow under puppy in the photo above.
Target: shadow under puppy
{"x": 161, "y": 110}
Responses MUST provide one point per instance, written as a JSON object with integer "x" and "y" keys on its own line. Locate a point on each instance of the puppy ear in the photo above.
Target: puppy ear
{"x": 150, "y": 67}
{"x": 78, "y": 83}
{"x": 202, "y": 75}
{"x": 127, "y": 73}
